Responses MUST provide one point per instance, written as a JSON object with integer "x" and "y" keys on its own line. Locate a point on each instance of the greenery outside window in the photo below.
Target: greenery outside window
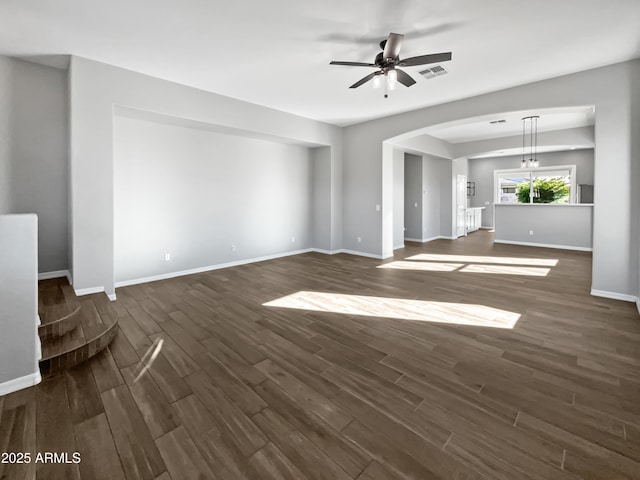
{"x": 554, "y": 185}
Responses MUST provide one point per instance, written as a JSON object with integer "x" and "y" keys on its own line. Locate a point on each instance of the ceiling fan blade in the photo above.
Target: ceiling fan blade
{"x": 404, "y": 78}
{"x": 364, "y": 80}
{"x": 425, "y": 59}
{"x": 392, "y": 47}
{"x": 353, "y": 64}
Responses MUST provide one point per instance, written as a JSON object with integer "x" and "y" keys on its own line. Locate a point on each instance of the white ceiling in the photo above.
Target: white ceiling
{"x": 480, "y": 128}
{"x": 277, "y": 53}
{"x": 511, "y": 152}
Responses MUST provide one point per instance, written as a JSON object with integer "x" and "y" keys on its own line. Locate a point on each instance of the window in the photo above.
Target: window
{"x": 554, "y": 185}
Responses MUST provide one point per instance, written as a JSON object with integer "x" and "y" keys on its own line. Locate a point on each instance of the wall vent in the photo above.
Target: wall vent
{"x": 495, "y": 122}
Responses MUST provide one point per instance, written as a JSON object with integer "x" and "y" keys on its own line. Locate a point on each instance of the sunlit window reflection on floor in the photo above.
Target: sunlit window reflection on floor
{"x": 434, "y": 257}
{"x": 506, "y": 270}
{"x": 428, "y": 266}
{"x": 148, "y": 358}
{"x": 399, "y": 308}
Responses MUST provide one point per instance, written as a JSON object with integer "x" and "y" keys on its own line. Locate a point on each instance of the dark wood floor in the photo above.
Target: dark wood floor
{"x": 392, "y": 388}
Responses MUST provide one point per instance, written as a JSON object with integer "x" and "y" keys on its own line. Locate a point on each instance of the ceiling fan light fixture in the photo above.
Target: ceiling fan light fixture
{"x": 392, "y": 77}
{"x": 386, "y": 62}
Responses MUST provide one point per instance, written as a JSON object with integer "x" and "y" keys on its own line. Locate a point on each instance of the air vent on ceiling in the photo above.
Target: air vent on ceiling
{"x": 495, "y": 122}
{"x": 433, "y": 72}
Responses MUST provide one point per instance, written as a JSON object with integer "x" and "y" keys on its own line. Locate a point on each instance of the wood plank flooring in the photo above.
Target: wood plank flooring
{"x": 330, "y": 367}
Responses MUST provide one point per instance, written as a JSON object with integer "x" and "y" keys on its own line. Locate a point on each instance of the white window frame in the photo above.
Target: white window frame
{"x": 572, "y": 187}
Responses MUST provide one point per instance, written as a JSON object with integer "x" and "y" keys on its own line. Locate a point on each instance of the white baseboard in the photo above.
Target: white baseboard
{"x": 16, "y": 384}
{"x": 363, "y": 254}
{"x": 545, "y": 245}
{"x": 165, "y": 276}
{"x": 616, "y": 296}
{"x": 325, "y": 252}
{"x": 91, "y": 290}
{"x": 87, "y": 291}
{"x": 422, "y": 240}
{"x": 38, "y": 342}
{"x": 55, "y": 274}
{"x": 397, "y": 247}
{"x": 354, "y": 252}
{"x": 448, "y": 238}
{"x": 638, "y": 304}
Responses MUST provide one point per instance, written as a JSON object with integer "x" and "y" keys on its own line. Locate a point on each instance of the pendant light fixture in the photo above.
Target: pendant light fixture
{"x": 532, "y": 123}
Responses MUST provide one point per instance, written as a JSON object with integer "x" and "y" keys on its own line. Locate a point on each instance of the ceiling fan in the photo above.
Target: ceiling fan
{"x": 388, "y": 60}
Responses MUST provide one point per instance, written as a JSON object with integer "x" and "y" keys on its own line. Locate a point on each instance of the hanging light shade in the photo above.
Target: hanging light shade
{"x": 392, "y": 79}
{"x": 532, "y": 132}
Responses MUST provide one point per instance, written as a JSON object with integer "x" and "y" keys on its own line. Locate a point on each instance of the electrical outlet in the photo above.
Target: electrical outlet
{"x": 530, "y": 232}
{"x": 359, "y": 239}
{"x": 377, "y": 208}
{"x": 293, "y": 239}
{"x": 233, "y": 248}
{"x": 415, "y": 204}
{"x": 167, "y": 257}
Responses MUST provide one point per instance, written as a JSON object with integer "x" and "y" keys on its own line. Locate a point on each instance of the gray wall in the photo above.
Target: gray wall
{"x": 582, "y": 136}
{"x": 6, "y": 84}
{"x": 615, "y": 242}
{"x": 436, "y": 180}
{"x": 634, "y": 179}
{"x": 359, "y": 186}
{"x": 18, "y": 299}
{"x": 321, "y": 201}
{"x": 34, "y": 153}
{"x": 95, "y": 89}
{"x": 427, "y": 183}
{"x": 398, "y": 200}
{"x": 362, "y": 187}
{"x": 413, "y": 204}
{"x": 553, "y": 225}
{"x": 194, "y": 193}
{"x": 481, "y": 171}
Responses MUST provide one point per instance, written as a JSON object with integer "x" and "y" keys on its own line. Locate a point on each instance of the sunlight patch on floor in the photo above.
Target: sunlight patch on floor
{"x": 399, "y": 308}
{"x": 430, "y": 266}
{"x": 506, "y": 270}
{"x": 434, "y": 257}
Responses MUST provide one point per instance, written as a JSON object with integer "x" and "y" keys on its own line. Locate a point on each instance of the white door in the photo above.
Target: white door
{"x": 461, "y": 205}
